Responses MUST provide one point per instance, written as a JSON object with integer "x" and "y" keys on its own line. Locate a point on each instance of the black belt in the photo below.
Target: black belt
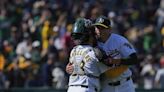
{"x": 89, "y": 75}
{"x": 84, "y": 86}
{"x": 118, "y": 82}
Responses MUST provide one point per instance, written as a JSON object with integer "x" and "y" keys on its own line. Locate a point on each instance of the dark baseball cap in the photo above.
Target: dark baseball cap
{"x": 103, "y": 22}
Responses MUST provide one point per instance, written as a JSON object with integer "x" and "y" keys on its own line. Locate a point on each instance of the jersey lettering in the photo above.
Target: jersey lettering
{"x": 87, "y": 58}
{"x": 128, "y": 45}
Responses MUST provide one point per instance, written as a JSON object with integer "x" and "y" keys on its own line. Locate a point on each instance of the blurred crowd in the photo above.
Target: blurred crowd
{"x": 35, "y": 38}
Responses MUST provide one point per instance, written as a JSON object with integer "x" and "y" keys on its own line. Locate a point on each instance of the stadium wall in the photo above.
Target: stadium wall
{"x": 61, "y": 90}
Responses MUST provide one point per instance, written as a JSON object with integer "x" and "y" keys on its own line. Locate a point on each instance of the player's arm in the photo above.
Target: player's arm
{"x": 69, "y": 67}
{"x": 102, "y": 57}
{"x": 131, "y": 60}
{"x": 128, "y": 51}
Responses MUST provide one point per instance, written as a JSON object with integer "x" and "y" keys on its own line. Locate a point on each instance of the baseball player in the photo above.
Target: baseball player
{"x": 86, "y": 70}
{"x": 122, "y": 53}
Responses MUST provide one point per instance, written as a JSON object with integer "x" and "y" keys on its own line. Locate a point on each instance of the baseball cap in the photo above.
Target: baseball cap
{"x": 103, "y": 22}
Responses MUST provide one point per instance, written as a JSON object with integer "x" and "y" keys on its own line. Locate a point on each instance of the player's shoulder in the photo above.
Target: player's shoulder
{"x": 78, "y": 47}
{"x": 84, "y": 48}
{"x": 88, "y": 48}
{"x": 118, "y": 38}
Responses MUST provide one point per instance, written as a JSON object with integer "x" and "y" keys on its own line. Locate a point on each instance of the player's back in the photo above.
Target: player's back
{"x": 86, "y": 70}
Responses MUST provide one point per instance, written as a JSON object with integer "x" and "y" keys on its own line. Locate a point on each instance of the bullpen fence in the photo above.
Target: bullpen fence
{"x": 61, "y": 90}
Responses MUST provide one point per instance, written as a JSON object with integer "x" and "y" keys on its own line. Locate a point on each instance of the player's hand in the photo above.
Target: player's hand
{"x": 69, "y": 68}
{"x": 98, "y": 53}
{"x": 112, "y": 62}
{"x": 108, "y": 61}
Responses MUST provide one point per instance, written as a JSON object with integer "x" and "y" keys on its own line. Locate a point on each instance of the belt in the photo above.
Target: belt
{"x": 84, "y": 86}
{"x": 117, "y": 83}
{"x": 89, "y": 75}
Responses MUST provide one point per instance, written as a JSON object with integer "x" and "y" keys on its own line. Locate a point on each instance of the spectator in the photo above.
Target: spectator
{"x": 59, "y": 79}
{"x": 16, "y": 76}
{"x": 3, "y": 80}
{"x": 159, "y": 78}
{"x": 148, "y": 72}
{"x": 24, "y": 23}
{"x": 160, "y": 20}
{"x": 25, "y": 46}
{"x": 35, "y": 52}
{"x": 47, "y": 70}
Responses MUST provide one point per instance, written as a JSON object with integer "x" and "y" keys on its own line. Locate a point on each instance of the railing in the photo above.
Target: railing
{"x": 32, "y": 90}
{"x": 61, "y": 90}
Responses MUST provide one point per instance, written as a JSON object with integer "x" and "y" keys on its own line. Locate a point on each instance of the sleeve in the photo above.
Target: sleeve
{"x": 71, "y": 56}
{"x": 126, "y": 48}
{"x": 90, "y": 56}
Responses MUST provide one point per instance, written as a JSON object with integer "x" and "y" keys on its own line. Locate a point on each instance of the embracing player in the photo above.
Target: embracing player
{"x": 121, "y": 54}
{"x": 86, "y": 66}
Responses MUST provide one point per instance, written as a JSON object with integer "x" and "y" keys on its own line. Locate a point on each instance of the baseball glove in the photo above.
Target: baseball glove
{"x": 98, "y": 53}
{"x": 101, "y": 55}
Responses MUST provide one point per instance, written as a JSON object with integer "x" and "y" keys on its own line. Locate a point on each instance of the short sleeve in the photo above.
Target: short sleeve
{"x": 71, "y": 56}
{"x": 126, "y": 48}
{"x": 90, "y": 56}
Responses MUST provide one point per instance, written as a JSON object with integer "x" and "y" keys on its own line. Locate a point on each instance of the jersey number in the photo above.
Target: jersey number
{"x": 82, "y": 65}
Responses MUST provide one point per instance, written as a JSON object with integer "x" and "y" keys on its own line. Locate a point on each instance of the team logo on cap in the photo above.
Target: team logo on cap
{"x": 87, "y": 23}
{"x": 101, "y": 20}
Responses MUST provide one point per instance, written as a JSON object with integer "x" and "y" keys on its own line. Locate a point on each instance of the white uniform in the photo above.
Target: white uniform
{"x": 85, "y": 77}
{"x": 117, "y": 47}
